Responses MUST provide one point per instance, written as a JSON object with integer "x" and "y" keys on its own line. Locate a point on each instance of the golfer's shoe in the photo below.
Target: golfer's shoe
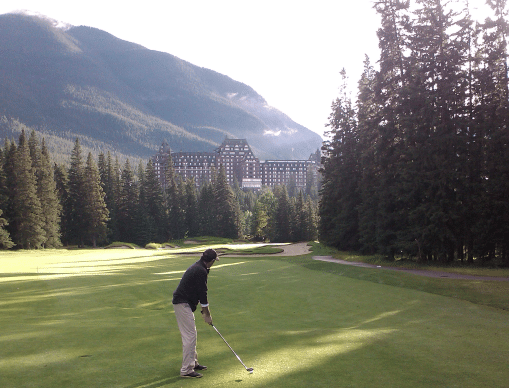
{"x": 200, "y": 367}
{"x": 192, "y": 374}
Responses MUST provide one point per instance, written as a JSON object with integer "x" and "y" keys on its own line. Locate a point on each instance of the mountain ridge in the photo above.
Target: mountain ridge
{"x": 84, "y": 82}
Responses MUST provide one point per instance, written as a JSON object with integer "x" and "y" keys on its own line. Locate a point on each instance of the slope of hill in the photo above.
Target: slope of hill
{"x": 119, "y": 96}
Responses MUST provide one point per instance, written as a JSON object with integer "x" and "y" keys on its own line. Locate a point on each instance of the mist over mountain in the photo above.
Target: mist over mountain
{"x": 122, "y": 97}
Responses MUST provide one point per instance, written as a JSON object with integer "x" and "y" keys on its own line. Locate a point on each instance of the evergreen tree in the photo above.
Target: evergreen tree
{"x": 95, "y": 212}
{"x": 264, "y": 215}
{"x": 311, "y": 184}
{"x": 341, "y": 176}
{"x": 50, "y": 203}
{"x": 310, "y": 221}
{"x": 191, "y": 212}
{"x": 27, "y": 209}
{"x": 283, "y": 216}
{"x": 391, "y": 89}
{"x": 367, "y": 114}
{"x": 110, "y": 182}
{"x": 75, "y": 205}
{"x": 176, "y": 205}
{"x": 115, "y": 173}
{"x": 62, "y": 193}
{"x": 300, "y": 218}
{"x": 492, "y": 118}
{"x": 226, "y": 208}
{"x": 5, "y": 239}
{"x": 152, "y": 206}
{"x": 172, "y": 199}
{"x": 127, "y": 205}
{"x": 144, "y": 224}
{"x": 10, "y": 186}
{"x": 4, "y": 193}
{"x": 206, "y": 210}
{"x": 179, "y": 210}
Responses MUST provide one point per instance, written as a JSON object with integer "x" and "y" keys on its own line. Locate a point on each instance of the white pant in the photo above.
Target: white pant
{"x": 187, "y": 327}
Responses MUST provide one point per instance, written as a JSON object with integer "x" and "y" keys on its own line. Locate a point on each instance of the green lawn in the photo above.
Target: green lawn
{"x": 103, "y": 318}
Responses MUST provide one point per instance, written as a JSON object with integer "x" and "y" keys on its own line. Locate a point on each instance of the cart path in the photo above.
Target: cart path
{"x": 420, "y": 272}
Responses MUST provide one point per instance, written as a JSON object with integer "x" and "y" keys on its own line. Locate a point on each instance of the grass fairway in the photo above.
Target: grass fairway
{"x": 103, "y": 318}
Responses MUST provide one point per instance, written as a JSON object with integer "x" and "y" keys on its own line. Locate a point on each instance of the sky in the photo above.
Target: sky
{"x": 290, "y": 52}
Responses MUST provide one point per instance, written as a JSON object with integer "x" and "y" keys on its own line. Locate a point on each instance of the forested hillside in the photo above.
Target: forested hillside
{"x": 419, "y": 166}
{"x": 118, "y": 96}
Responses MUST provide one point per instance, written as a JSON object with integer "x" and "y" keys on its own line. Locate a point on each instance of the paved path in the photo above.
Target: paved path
{"x": 420, "y": 272}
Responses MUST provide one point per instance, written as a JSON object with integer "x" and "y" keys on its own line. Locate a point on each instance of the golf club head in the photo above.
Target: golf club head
{"x": 250, "y": 370}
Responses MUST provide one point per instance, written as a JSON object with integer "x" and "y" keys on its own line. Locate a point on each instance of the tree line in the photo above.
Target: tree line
{"x": 419, "y": 165}
{"x": 89, "y": 202}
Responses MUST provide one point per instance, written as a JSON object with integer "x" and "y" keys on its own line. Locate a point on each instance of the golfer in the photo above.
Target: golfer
{"x": 192, "y": 290}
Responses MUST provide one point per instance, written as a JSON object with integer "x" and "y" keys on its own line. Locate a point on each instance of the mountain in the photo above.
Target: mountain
{"x": 120, "y": 96}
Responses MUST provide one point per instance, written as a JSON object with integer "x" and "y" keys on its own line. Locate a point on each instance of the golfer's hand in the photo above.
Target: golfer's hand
{"x": 205, "y": 313}
{"x": 207, "y": 318}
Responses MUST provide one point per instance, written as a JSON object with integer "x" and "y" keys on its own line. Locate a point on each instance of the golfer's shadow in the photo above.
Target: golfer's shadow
{"x": 155, "y": 383}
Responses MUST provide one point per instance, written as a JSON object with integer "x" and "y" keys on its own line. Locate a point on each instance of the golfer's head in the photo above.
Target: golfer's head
{"x": 209, "y": 257}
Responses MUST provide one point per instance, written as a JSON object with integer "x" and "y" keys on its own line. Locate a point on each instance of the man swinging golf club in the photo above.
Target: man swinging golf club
{"x": 192, "y": 290}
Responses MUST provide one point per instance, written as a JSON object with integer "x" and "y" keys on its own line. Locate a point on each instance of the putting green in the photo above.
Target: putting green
{"x": 103, "y": 318}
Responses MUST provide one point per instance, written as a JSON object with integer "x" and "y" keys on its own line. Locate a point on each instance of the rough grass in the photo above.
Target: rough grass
{"x": 103, "y": 318}
{"x": 489, "y": 293}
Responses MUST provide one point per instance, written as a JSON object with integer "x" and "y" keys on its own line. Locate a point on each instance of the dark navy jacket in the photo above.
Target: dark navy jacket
{"x": 192, "y": 288}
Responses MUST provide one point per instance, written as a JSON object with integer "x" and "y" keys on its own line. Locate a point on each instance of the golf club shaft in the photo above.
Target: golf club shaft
{"x": 229, "y": 347}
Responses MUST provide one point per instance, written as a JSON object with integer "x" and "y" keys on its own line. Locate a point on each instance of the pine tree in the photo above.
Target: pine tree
{"x": 127, "y": 205}
{"x": 283, "y": 215}
{"x": 4, "y": 192}
{"x": 48, "y": 196}
{"x": 95, "y": 212}
{"x": 310, "y": 221}
{"x": 391, "y": 88}
{"x": 10, "y": 186}
{"x": 435, "y": 156}
{"x": 153, "y": 208}
{"x": 367, "y": 114}
{"x": 226, "y": 208}
{"x": 5, "y": 239}
{"x": 144, "y": 224}
{"x": 179, "y": 207}
{"x": 26, "y": 205}
{"x": 500, "y": 181}
{"x": 115, "y": 172}
{"x": 206, "y": 210}
{"x": 75, "y": 205}
{"x": 492, "y": 117}
{"x": 176, "y": 208}
{"x": 341, "y": 176}
{"x": 62, "y": 193}
{"x": 110, "y": 182}
{"x": 264, "y": 214}
{"x": 300, "y": 219}
{"x": 191, "y": 212}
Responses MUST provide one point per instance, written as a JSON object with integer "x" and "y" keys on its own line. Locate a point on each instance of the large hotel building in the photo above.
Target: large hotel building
{"x": 240, "y": 164}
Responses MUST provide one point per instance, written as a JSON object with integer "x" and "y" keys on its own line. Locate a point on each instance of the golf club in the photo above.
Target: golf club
{"x": 250, "y": 370}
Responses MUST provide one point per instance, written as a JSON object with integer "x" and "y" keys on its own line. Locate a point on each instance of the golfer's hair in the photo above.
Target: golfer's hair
{"x": 209, "y": 255}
